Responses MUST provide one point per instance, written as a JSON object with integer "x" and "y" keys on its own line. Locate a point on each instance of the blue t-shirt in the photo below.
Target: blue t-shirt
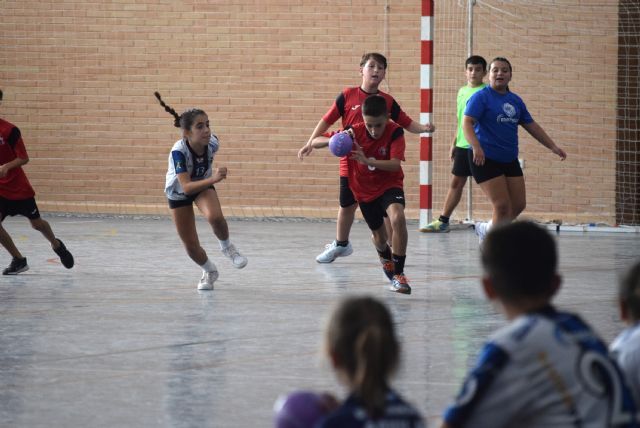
{"x": 497, "y": 118}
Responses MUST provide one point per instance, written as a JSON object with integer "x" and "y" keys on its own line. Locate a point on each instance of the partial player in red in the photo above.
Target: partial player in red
{"x": 190, "y": 180}
{"x": 347, "y": 106}
{"x": 376, "y": 179}
{"x": 17, "y": 197}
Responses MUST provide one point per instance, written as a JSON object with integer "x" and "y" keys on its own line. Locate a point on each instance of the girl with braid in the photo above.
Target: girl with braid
{"x": 190, "y": 179}
{"x": 364, "y": 351}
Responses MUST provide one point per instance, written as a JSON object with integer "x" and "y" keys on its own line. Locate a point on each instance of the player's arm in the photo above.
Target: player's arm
{"x": 418, "y": 128}
{"x": 452, "y": 150}
{"x": 17, "y": 162}
{"x": 320, "y": 129}
{"x": 543, "y": 138}
{"x": 381, "y": 164}
{"x": 319, "y": 142}
{"x": 470, "y": 136}
{"x": 190, "y": 187}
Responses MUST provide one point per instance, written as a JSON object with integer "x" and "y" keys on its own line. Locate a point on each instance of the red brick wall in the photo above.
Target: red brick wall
{"x": 79, "y": 78}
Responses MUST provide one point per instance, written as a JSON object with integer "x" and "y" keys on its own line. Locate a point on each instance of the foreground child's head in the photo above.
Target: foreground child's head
{"x": 364, "y": 350}
{"x": 475, "y": 68}
{"x": 193, "y": 122}
{"x": 375, "y": 115}
{"x": 629, "y": 294}
{"x": 520, "y": 262}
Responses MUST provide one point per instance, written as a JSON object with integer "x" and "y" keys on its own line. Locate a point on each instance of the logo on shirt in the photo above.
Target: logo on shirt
{"x": 355, "y": 107}
{"x": 382, "y": 151}
{"x": 508, "y": 116}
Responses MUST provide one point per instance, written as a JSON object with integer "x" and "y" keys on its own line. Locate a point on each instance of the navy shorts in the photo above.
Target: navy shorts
{"x": 461, "y": 167}
{"x": 177, "y": 203}
{"x": 23, "y": 207}
{"x": 492, "y": 169}
{"x": 375, "y": 211}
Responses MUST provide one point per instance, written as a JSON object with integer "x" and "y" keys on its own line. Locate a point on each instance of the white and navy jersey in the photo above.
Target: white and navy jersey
{"x": 351, "y": 414}
{"x": 183, "y": 159}
{"x": 625, "y": 349}
{"x": 545, "y": 369}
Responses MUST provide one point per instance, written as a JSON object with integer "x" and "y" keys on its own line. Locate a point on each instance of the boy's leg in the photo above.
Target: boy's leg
{"x": 341, "y": 247}
{"x": 43, "y": 226}
{"x": 8, "y": 244}
{"x": 209, "y": 204}
{"x": 395, "y": 211}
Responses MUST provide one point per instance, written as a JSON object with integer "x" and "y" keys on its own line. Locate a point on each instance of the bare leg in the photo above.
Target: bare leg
{"x": 346, "y": 215}
{"x": 497, "y": 190}
{"x": 44, "y": 227}
{"x": 185, "y": 222}
{"x": 209, "y": 204}
{"x": 7, "y": 243}
{"x": 454, "y": 194}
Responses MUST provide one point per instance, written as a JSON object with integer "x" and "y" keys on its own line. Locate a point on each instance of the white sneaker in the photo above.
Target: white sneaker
{"x": 333, "y": 251}
{"x": 239, "y": 261}
{"x": 481, "y": 229}
{"x": 207, "y": 280}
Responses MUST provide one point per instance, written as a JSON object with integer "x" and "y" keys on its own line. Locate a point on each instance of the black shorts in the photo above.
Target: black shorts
{"x": 23, "y": 207}
{"x": 492, "y": 169}
{"x": 461, "y": 167}
{"x": 173, "y": 203}
{"x": 375, "y": 211}
{"x": 346, "y": 195}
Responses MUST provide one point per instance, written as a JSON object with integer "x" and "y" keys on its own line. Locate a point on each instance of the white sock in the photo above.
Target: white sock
{"x": 208, "y": 266}
{"x": 224, "y": 244}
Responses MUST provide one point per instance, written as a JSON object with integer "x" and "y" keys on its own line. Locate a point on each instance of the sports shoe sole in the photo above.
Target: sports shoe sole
{"x": 400, "y": 290}
{"x": 15, "y": 272}
{"x": 346, "y": 253}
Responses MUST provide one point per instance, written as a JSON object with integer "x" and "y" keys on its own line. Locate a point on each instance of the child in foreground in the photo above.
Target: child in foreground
{"x": 546, "y": 368}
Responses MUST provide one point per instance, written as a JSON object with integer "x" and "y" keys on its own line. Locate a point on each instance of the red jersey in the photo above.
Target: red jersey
{"x": 366, "y": 182}
{"x": 14, "y": 185}
{"x": 348, "y": 106}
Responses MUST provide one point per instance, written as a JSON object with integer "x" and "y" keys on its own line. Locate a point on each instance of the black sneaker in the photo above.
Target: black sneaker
{"x": 65, "y": 256}
{"x": 17, "y": 265}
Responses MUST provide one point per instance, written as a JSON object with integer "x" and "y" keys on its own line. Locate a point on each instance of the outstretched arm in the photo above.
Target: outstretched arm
{"x": 538, "y": 133}
{"x": 320, "y": 129}
{"x": 418, "y": 128}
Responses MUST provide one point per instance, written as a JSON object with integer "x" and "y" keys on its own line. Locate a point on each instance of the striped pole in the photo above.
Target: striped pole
{"x": 426, "y": 109}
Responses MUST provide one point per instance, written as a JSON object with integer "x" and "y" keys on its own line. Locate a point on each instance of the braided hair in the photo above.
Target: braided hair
{"x": 184, "y": 120}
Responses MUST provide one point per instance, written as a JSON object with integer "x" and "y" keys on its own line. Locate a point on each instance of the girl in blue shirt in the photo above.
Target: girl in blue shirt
{"x": 490, "y": 125}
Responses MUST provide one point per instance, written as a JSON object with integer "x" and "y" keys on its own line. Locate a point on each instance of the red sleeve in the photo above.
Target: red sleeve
{"x": 20, "y": 150}
{"x": 399, "y": 116}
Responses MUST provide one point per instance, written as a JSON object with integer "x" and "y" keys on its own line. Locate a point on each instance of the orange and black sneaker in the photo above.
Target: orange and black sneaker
{"x": 400, "y": 284}
{"x": 387, "y": 268}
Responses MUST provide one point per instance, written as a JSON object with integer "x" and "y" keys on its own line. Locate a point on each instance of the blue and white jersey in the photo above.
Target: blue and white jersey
{"x": 497, "y": 118}
{"x": 183, "y": 159}
{"x": 625, "y": 349}
{"x": 351, "y": 414}
{"x": 544, "y": 369}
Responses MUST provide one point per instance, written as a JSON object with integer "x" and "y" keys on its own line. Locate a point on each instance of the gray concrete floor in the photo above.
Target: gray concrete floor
{"x": 125, "y": 340}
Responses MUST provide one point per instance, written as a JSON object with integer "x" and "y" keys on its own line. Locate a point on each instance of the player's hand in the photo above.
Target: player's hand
{"x": 357, "y": 153}
{"x": 557, "y": 150}
{"x": 3, "y": 170}
{"x": 220, "y": 174}
{"x": 429, "y": 127}
{"x": 478, "y": 156}
{"x": 305, "y": 151}
{"x": 452, "y": 153}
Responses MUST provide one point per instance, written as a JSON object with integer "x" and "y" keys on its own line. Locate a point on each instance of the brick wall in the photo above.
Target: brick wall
{"x": 79, "y": 78}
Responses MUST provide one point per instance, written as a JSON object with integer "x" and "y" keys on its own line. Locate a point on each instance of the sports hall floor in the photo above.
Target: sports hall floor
{"x": 125, "y": 340}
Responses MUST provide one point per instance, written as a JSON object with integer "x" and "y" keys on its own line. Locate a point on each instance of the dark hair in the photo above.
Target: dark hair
{"x": 629, "y": 291}
{"x": 521, "y": 260}
{"x": 374, "y": 106}
{"x": 184, "y": 120}
{"x": 502, "y": 59}
{"x": 378, "y": 57}
{"x": 361, "y": 336}
{"x": 476, "y": 59}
